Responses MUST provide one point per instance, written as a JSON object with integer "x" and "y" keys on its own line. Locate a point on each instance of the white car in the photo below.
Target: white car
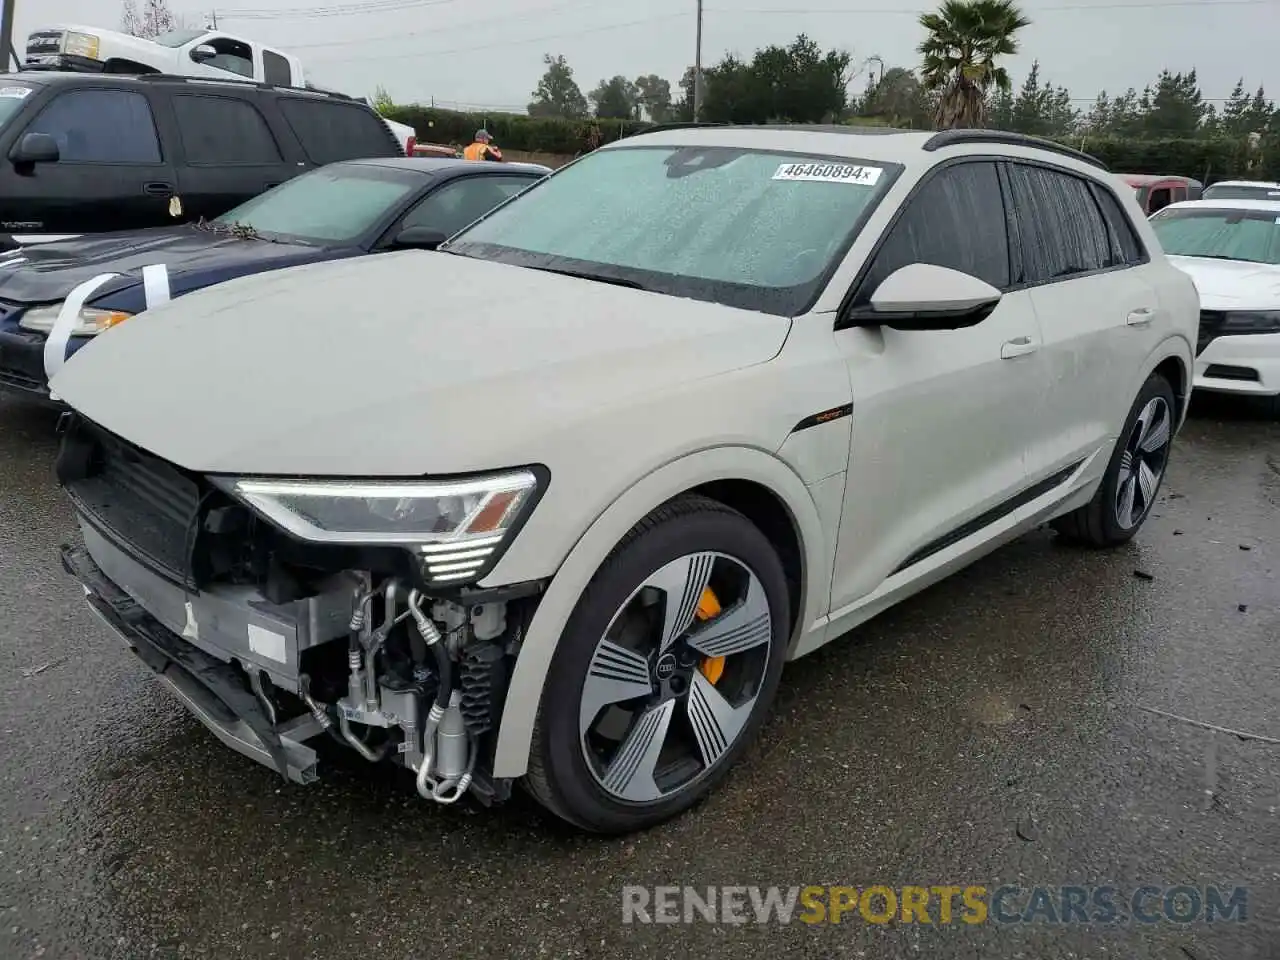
{"x": 1242, "y": 190}
{"x": 1231, "y": 249}
{"x": 693, "y": 406}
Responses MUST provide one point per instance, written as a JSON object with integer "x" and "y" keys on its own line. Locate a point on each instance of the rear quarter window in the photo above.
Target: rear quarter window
{"x": 331, "y": 130}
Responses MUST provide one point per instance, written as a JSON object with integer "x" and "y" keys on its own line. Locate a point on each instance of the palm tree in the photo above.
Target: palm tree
{"x": 965, "y": 38}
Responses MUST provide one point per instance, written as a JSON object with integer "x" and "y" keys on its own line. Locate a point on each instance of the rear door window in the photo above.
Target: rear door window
{"x": 222, "y": 130}
{"x": 276, "y": 69}
{"x": 100, "y": 126}
{"x": 957, "y": 220}
{"x": 1126, "y": 248}
{"x": 1059, "y": 229}
{"x": 330, "y": 130}
{"x": 462, "y": 202}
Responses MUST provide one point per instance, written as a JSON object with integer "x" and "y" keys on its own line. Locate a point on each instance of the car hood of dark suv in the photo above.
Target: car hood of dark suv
{"x": 400, "y": 365}
{"x": 195, "y": 257}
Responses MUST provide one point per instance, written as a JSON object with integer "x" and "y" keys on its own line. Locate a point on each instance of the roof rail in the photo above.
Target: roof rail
{"x": 955, "y": 138}
{"x": 682, "y": 125}
{"x": 244, "y": 82}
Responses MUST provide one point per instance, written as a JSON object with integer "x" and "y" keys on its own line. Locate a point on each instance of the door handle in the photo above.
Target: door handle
{"x": 1140, "y": 317}
{"x": 1018, "y": 347}
{"x": 158, "y": 188}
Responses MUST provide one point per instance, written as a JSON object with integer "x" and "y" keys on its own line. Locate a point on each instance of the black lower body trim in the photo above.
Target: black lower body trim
{"x": 996, "y": 513}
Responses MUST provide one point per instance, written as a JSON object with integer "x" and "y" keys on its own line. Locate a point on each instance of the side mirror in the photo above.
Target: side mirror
{"x": 419, "y": 238}
{"x": 924, "y": 296}
{"x": 203, "y": 52}
{"x": 35, "y": 148}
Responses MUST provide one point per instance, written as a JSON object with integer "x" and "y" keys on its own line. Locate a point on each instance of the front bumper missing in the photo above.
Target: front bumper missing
{"x": 212, "y": 690}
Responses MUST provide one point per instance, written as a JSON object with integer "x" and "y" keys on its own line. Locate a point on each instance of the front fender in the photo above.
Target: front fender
{"x": 511, "y": 758}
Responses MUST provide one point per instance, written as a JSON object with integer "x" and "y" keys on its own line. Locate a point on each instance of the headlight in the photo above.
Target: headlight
{"x": 1251, "y": 321}
{"x": 455, "y": 527}
{"x": 89, "y": 323}
{"x": 80, "y": 45}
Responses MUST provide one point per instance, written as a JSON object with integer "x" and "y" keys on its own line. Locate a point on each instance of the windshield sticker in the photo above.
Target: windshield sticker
{"x": 829, "y": 173}
{"x": 14, "y": 93}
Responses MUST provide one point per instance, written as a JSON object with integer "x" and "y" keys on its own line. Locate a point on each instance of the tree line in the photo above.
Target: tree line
{"x": 960, "y": 81}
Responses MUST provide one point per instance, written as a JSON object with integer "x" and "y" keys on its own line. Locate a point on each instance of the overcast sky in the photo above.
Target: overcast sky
{"x": 487, "y": 53}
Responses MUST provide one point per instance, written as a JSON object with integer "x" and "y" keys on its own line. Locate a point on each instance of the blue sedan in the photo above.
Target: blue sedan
{"x": 349, "y": 209}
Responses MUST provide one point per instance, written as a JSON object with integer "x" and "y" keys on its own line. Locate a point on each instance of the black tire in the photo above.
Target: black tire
{"x": 558, "y": 776}
{"x": 1096, "y": 524}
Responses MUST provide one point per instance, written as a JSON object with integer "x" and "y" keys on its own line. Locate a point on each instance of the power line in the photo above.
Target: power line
{"x": 507, "y": 43}
{"x": 334, "y": 10}
{"x": 433, "y": 31}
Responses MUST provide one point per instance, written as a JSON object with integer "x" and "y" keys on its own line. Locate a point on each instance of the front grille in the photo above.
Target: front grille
{"x": 145, "y": 505}
{"x": 1211, "y": 323}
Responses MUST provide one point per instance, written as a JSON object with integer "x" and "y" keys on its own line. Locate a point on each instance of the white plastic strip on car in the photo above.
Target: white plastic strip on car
{"x": 55, "y": 347}
{"x": 155, "y": 284}
{"x": 26, "y": 239}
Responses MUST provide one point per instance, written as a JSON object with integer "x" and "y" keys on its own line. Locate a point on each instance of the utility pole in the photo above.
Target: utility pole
{"x": 213, "y": 17}
{"x": 7, "y": 55}
{"x": 697, "y": 69}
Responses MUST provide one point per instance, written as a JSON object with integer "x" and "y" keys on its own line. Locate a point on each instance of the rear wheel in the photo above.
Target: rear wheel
{"x": 1130, "y": 485}
{"x": 665, "y": 671}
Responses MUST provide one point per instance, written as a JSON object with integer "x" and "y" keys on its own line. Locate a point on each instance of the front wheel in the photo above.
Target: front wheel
{"x": 1129, "y": 487}
{"x": 665, "y": 670}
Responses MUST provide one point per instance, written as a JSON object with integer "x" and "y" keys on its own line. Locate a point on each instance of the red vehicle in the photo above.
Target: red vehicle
{"x": 1155, "y": 192}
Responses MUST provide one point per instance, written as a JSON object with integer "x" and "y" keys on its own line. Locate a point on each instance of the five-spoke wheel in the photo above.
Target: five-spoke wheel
{"x": 665, "y": 670}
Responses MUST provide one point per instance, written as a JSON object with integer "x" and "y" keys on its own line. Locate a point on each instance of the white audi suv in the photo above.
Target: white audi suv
{"x": 554, "y": 504}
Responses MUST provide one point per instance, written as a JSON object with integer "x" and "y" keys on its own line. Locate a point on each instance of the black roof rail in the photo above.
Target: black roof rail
{"x": 244, "y": 82}
{"x": 681, "y": 125}
{"x": 955, "y": 138}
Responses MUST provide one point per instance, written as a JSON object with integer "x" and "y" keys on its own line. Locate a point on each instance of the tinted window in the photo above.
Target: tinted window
{"x": 955, "y": 220}
{"x": 234, "y": 56}
{"x": 218, "y": 130}
{"x": 462, "y": 202}
{"x": 100, "y": 126}
{"x": 1249, "y": 235}
{"x": 336, "y": 204}
{"x": 746, "y": 228}
{"x": 1126, "y": 248}
{"x": 330, "y": 131}
{"x": 276, "y": 69}
{"x": 1258, "y": 191}
{"x": 1060, "y": 231}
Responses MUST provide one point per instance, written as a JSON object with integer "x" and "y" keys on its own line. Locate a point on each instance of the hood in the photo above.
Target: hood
{"x": 1232, "y": 284}
{"x": 402, "y": 364}
{"x": 50, "y": 271}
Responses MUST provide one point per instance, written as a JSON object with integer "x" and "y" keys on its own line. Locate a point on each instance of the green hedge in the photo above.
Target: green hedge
{"x": 1206, "y": 159}
{"x": 513, "y": 131}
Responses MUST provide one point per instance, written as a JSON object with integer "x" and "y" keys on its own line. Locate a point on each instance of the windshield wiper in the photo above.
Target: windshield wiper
{"x": 589, "y": 275}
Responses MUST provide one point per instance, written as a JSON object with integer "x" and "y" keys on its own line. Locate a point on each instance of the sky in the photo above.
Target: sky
{"x": 487, "y": 54}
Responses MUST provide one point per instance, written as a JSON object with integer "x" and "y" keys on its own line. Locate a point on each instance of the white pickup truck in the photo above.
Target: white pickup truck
{"x": 191, "y": 53}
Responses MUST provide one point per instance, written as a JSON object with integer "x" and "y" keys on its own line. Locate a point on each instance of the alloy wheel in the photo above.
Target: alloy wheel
{"x": 1142, "y": 464}
{"x": 675, "y": 678}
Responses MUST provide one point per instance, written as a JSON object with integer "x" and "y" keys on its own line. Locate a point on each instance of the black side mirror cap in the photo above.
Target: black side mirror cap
{"x": 35, "y": 148}
{"x": 419, "y": 238}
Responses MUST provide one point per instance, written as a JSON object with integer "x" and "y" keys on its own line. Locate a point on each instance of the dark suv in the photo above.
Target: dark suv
{"x": 89, "y": 153}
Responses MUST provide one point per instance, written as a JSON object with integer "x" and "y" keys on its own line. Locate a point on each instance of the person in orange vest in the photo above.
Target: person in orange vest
{"x": 482, "y": 148}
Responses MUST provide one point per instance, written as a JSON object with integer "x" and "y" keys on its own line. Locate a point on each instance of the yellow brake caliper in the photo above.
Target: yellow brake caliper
{"x": 708, "y": 607}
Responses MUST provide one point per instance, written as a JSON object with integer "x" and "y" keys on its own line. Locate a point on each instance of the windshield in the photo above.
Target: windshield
{"x": 747, "y": 228}
{"x": 176, "y": 38}
{"x": 1250, "y": 235}
{"x": 12, "y": 94}
{"x": 335, "y": 204}
{"x": 1253, "y": 191}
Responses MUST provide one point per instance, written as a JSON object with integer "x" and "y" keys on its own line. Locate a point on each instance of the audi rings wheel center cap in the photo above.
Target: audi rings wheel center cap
{"x": 665, "y": 668}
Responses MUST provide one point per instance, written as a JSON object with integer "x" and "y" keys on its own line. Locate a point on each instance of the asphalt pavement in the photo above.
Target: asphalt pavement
{"x": 996, "y": 730}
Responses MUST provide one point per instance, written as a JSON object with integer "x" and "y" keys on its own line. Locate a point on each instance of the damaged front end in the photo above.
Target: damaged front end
{"x": 283, "y": 611}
